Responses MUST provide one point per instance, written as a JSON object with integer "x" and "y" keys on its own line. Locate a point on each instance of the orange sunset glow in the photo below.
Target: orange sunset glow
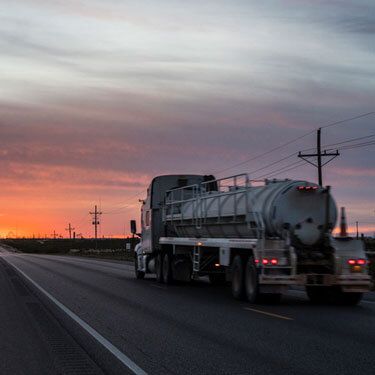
{"x": 89, "y": 117}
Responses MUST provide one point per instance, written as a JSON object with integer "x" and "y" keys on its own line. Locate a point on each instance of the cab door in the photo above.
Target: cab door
{"x": 146, "y": 222}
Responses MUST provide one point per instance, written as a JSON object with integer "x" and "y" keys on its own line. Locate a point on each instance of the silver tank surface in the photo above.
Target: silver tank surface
{"x": 299, "y": 207}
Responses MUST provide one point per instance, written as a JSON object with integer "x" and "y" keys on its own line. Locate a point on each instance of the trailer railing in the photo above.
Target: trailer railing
{"x": 210, "y": 194}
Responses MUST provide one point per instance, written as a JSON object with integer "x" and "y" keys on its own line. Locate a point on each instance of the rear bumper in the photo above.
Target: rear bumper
{"x": 348, "y": 283}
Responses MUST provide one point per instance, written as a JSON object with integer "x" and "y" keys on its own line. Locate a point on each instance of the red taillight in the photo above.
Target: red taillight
{"x": 256, "y": 261}
{"x": 307, "y": 188}
{"x": 272, "y": 261}
{"x": 359, "y": 262}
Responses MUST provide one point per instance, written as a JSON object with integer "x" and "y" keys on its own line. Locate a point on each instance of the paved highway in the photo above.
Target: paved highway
{"x": 180, "y": 329}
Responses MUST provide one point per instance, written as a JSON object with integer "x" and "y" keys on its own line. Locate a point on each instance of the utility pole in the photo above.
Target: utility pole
{"x": 356, "y": 225}
{"x": 319, "y": 154}
{"x": 95, "y": 221}
{"x": 343, "y": 225}
{"x": 70, "y": 229}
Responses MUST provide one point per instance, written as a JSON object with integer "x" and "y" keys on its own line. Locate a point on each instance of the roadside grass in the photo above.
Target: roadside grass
{"x": 121, "y": 249}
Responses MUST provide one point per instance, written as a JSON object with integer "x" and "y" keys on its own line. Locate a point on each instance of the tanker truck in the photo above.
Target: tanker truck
{"x": 262, "y": 237}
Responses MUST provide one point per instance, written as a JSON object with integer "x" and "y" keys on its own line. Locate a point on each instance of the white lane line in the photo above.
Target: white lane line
{"x": 269, "y": 314}
{"x": 95, "y": 334}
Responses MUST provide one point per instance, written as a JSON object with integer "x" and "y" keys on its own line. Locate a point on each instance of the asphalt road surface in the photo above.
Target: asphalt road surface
{"x": 182, "y": 329}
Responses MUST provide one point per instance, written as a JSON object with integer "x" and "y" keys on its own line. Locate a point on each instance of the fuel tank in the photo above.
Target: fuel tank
{"x": 303, "y": 209}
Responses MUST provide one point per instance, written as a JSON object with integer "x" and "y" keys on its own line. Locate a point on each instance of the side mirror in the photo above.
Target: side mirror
{"x": 133, "y": 226}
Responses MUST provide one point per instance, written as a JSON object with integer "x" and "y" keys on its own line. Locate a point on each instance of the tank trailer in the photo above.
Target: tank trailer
{"x": 261, "y": 237}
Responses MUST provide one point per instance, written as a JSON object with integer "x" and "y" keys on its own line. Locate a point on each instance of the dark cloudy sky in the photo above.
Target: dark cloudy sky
{"x": 97, "y": 97}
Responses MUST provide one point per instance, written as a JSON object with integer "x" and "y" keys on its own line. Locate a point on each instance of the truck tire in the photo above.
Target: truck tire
{"x": 167, "y": 269}
{"x": 159, "y": 268}
{"x": 251, "y": 281}
{"x": 238, "y": 288}
{"x": 138, "y": 274}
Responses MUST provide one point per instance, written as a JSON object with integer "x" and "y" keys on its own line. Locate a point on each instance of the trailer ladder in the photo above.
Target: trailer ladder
{"x": 196, "y": 258}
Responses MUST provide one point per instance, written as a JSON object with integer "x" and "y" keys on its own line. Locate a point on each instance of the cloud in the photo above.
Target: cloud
{"x": 96, "y": 99}
{"x": 362, "y": 25}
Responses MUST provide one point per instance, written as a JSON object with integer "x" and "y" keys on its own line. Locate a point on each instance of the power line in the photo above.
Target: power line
{"x": 358, "y": 145}
{"x": 282, "y": 169}
{"x": 342, "y": 142}
{"x": 125, "y": 205}
{"x": 348, "y": 119}
{"x": 294, "y": 140}
{"x": 274, "y": 163}
{"x": 265, "y": 153}
{"x": 295, "y": 153}
{"x": 287, "y": 170}
{"x": 278, "y": 171}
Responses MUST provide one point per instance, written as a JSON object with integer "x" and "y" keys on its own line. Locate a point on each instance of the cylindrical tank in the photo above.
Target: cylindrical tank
{"x": 304, "y": 209}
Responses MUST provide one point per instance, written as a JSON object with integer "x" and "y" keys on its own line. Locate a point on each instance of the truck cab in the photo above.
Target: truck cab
{"x": 151, "y": 211}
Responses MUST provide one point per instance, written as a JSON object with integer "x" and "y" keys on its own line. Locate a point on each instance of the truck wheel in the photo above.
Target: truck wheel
{"x": 138, "y": 274}
{"x": 217, "y": 278}
{"x": 238, "y": 290}
{"x": 159, "y": 268}
{"x": 167, "y": 269}
{"x": 251, "y": 281}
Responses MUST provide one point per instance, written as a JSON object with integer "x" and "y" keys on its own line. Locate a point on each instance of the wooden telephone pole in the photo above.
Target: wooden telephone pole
{"x": 70, "y": 230}
{"x": 95, "y": 221}
{"x": 319, "y": 155}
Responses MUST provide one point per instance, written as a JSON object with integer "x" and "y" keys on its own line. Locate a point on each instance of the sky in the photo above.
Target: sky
{"x": 98, "y": 97}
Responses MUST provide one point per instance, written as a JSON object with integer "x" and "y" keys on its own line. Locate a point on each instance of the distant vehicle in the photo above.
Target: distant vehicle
{"x": 262, "y": 239}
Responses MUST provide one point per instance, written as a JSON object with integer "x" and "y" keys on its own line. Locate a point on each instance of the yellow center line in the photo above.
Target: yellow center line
{"x": 269, "y": 314}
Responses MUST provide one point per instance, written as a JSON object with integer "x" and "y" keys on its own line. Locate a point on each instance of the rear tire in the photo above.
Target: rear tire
{"x": 159, "y": 268}
{"x": 138, "y": 274}
{"x": 167, "y": 269}
{"x": 238, "y": 288}
{"x": 251, "y": 281}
